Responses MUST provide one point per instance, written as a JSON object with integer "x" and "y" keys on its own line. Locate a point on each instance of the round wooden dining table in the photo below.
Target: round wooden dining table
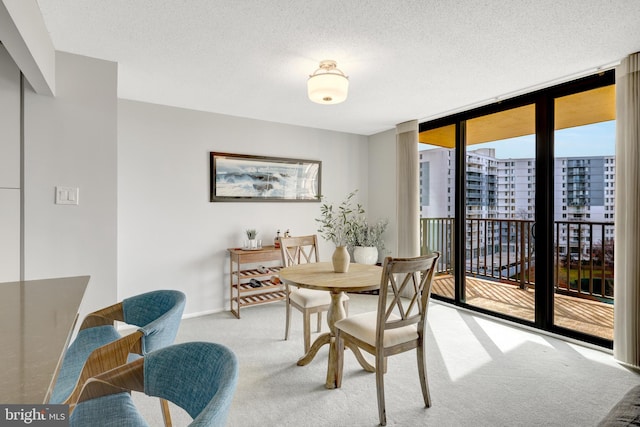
{"x": 320, "y": 276}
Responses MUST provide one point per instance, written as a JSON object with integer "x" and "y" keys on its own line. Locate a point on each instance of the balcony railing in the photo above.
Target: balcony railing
{"x": 503, "y": 250}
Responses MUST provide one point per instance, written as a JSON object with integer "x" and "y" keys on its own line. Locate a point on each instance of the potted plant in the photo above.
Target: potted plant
{"x": 251, "y": 235}
{"x": 367, "y": 241}
{"x": 337, "y": 224}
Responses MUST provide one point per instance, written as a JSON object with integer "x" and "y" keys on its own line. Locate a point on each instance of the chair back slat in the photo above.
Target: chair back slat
{"x": 299, "y": 250}
{"x": 123, "y": 378}
{"x": 405, "y": 288}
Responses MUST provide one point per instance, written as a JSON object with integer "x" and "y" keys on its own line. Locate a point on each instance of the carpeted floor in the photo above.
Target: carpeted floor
{"x": 481, "y": 373}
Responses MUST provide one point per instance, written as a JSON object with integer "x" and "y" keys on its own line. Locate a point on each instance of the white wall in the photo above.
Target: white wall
{"x": 70, "y": 140}
{"x": 170, "y": 235}
{"x": 9, "y": 168}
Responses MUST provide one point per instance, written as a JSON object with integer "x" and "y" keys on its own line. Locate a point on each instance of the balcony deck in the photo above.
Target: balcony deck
{"x": 591, "y": 317}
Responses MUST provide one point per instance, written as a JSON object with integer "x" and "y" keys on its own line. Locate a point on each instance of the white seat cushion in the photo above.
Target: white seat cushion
{"x": 311, "y": 298}
{"x": 363, "y": 327}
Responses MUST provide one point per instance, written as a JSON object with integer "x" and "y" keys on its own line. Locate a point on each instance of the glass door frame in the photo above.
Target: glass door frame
{"x": 544, "y": 101}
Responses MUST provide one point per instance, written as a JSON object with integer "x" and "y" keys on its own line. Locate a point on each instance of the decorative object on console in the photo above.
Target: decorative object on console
{"x": 276, "y": 240}
{"x": 252, "y": 243}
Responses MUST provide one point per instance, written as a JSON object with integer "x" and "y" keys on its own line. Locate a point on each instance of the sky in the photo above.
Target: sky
{"x": 596, "y": 139}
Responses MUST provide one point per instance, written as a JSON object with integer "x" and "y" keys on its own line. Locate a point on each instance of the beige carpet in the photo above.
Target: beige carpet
{"x": 481, "y": 373}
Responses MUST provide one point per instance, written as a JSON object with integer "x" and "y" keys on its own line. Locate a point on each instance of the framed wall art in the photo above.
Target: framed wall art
{"x": 245, "y": 178}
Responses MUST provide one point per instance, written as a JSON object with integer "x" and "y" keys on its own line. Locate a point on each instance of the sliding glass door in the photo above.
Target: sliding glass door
{"x": 524, "y": 219}
{"x": 584, "y": 171}
{"x": 500, "y": 212}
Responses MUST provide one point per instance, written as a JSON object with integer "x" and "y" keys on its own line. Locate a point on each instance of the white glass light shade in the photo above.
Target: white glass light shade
{"x": 328, "y": 85}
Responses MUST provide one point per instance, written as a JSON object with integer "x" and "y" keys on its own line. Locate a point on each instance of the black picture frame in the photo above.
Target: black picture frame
{"x": 249, "y": 178}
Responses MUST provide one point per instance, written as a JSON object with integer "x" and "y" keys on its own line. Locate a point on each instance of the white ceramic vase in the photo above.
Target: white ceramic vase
{"x": 365, "y": 254}
{"x": 341, "y": 259}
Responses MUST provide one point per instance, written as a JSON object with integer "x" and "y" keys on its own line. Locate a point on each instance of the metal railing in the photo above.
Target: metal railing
{"x": 503, "y": 250}
{"x": 584, "y": 264}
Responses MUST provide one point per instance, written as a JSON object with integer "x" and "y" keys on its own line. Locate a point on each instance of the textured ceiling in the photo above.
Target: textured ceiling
{"x": 411, "y": 59}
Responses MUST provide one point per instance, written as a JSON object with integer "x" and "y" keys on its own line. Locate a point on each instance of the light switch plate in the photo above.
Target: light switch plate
{"x": 67, "y": 195}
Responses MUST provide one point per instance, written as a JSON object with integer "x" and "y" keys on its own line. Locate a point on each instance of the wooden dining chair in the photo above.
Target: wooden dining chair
{"x": 199, "y": 377}
{"x": 99, "y": 347}
{"x": 297, "y": 250}
{"x": 397, "y": 326}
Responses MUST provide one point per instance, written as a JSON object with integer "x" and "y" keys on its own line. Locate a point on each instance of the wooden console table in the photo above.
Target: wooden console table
{"x": 243, "y": 268}
{"x": 37, "y": 318}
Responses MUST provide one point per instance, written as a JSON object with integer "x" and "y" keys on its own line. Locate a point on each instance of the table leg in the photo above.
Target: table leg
{"x": 336, "y": 312}
{"x": 363, "y": 362}
{"x": 313, "y": 350}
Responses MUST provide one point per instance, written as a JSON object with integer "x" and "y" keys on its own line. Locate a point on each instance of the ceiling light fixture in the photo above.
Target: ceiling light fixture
{"x": 327, "y": 85}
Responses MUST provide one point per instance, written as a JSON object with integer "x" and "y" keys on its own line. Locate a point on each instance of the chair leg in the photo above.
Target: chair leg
{"x": 319, "y": 326}
{"x": 288, "y": 316}
{"x": 307, "y": 331}
{"x": 340, "y": 358}
{"x": 380, "y": 369}
{"x": 422, "y": 372}
{"x": 166, "y": 416}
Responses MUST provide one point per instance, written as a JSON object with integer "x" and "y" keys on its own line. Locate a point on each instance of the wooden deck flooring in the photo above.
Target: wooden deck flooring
{"x": 591, "y": 317}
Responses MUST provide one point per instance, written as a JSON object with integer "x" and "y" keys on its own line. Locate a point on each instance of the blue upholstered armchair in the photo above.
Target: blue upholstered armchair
{"x": 99, "y": 347}
{"x": 199, "y": 377}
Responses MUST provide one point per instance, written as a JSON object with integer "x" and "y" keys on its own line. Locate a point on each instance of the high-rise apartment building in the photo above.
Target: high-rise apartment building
{"x": 505, "y": 189}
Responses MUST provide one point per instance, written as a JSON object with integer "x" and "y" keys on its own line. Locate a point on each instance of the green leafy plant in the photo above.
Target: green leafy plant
{"x": 365, "y": 234}
{"x": 251, "y": 234}
{"x": 337, "y": 224}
